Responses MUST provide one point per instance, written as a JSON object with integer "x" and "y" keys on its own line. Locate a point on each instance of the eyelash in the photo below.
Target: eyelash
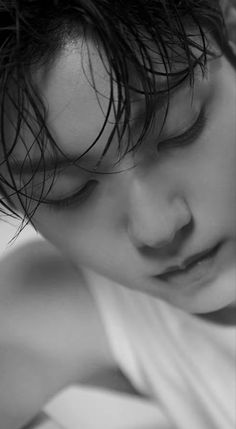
{"x": 77, "y": 198}
{"x": 188, "y": 137}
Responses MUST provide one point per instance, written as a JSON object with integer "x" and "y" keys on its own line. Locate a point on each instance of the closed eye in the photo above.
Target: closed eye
{"x": 79, "y": 197}
{"x": 188, "y": 137}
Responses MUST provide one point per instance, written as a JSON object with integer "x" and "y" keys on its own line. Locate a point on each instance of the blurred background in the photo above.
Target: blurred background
{"x": 8, "y": 230}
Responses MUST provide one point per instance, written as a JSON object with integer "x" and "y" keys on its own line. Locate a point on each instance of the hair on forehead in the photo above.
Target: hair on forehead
{"x": 149, "y": 37}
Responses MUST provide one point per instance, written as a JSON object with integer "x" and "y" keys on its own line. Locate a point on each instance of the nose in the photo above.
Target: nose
{"x": 156, "y": 216}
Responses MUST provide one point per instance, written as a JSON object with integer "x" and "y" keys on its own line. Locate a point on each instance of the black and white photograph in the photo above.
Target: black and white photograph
{"x": 118, "y": 214}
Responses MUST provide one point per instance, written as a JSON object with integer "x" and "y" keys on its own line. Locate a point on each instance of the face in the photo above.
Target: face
{"x": 162, "y": 222}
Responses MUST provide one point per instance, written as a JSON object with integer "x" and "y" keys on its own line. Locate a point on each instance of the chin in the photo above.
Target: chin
{"x": 219, "y": 295}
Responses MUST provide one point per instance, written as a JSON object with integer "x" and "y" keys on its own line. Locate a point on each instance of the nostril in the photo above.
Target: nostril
{"x": 156, "y": 219}
{"x": 164, "y": 248}
{"x": 148, "y": 241}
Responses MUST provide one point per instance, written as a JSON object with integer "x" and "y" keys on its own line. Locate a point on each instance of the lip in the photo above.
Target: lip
{"x": 195, "y": 268}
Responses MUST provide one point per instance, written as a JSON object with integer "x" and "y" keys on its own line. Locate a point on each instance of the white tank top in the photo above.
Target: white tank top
{"x": 184, "y": 363}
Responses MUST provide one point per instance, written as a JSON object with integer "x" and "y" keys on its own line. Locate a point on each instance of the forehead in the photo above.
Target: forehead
{"x": 75, "y": 112}
{"x": 76, "y": 91}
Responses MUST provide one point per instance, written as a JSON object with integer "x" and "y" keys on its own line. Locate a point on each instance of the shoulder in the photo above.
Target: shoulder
{"x": 46, "y": 302}
{"x": 50, "y": 330}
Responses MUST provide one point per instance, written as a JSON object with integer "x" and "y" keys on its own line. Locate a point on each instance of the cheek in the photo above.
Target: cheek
{"x": 90, "y": 243}
{"x": 223, "y": 168}
{"x": 83, "y": 228}
{"x": 216, "y": 190}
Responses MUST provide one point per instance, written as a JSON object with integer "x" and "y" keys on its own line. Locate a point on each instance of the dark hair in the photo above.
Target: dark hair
{"x": 32, "y": 33}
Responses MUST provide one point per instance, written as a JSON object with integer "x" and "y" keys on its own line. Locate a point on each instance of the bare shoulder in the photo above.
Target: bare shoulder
{"x": 51, "y": 334}
{"x": 47, "y": 303}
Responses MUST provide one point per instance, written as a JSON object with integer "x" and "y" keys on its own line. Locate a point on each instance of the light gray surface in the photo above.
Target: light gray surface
{"x": 8, "y": 230}
{"x": 88, "y": 408}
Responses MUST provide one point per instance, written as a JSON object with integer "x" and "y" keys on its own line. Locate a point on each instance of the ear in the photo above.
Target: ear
{"x": 229, "y": 9}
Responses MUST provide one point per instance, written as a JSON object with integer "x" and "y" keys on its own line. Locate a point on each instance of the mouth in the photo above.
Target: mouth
{"x": 196, "y": 268}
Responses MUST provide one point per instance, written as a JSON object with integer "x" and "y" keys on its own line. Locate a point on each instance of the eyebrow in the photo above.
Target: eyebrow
{"x": 19, "y": 167}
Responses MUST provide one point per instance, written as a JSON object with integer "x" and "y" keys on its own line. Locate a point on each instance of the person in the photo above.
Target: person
{"x": 118, "y": 144}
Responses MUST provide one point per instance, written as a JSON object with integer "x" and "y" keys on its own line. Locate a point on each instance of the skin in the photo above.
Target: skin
{"x": 51, "y": 335}
{"x": 163, "y": 206}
